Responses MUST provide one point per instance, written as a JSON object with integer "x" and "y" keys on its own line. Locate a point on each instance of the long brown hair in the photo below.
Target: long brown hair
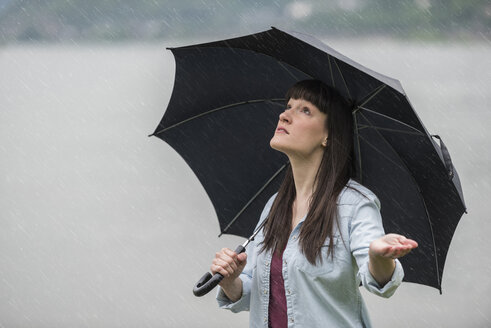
{"x": 334, "y": 171}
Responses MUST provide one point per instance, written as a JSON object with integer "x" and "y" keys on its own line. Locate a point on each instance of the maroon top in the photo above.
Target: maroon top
{"x": 277, "y": 299}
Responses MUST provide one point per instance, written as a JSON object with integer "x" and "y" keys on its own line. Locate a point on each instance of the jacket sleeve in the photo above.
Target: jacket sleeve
{"x": 243, "y": 303}
{"x": 246, "y": 276}
{"x": 366, "y": 226}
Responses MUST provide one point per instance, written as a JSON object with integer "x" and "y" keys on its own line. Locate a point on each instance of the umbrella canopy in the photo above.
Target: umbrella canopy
{"x": 224, "y": 109}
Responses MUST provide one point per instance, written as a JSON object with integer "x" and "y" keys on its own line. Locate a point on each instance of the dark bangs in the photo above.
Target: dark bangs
{"x": 312, "y": 91}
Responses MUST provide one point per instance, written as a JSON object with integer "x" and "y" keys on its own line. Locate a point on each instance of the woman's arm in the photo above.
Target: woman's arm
{"x": 230, "y": 265}
{"x": 382, "y": 253}
{"x": 379, "y": 274}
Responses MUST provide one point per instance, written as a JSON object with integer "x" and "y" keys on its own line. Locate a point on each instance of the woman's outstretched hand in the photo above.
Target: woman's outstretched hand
{"x": 382, "y": 253}
{"x": 392, "y": 246}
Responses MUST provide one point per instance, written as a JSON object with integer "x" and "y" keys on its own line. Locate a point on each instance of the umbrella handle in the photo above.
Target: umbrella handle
{"x": 208, "y": 282}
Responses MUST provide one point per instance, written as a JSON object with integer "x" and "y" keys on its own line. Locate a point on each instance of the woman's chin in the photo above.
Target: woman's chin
{"x": 279, "y": 146}
{"x": 274, "y": 144}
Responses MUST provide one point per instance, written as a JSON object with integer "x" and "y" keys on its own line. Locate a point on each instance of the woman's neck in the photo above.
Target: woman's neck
{"x": 304, "y": 173}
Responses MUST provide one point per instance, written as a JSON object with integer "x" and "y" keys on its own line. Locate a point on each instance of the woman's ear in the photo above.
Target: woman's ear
{"x": 324, "y": 143}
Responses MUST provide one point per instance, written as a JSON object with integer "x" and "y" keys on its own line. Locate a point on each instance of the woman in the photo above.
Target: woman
{"x": 324, "y": 234}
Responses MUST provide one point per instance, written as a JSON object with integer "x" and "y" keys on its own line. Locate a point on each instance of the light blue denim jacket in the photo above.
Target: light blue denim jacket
{"x": 322, "y": 295}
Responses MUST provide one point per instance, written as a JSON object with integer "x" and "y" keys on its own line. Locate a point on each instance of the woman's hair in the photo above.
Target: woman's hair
{"x": 334, "y": 171}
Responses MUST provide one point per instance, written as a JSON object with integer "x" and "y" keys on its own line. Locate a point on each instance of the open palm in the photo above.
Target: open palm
{"x": 392, "y": 246}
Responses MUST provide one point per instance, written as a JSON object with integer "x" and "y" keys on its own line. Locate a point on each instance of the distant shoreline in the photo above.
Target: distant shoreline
{"x": 180, "y": 41}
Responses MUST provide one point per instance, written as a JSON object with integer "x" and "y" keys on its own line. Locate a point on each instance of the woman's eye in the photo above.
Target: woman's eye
{"x": 306, "y": 110}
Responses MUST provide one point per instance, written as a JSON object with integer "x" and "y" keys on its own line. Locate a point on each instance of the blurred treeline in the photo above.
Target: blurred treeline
{"x": 114, "y": 20}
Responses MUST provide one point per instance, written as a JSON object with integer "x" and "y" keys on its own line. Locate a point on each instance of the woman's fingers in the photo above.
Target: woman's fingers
{"x": 411, "y": 243}
{"x": 399, "y": 251}
{"x": 242, "y": 257}
{"x": 392, "y": 245}
{"x": 227, "y": 263}
{"x": 226, "y": 267}
{"x": 405, "y": 241}
{"x": 222, "y": 268}
{"x": 218, "y": 269}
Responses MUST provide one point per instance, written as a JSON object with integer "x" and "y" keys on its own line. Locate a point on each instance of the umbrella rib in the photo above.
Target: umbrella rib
{"x": 252, "y": 199}
{"x": 342, "y": 77}
{"x": 330, "y": 70}
{"x": 217, "y": 109}
{"x": 434, "y": 243}
{"x": 362, "y": 126}
{"x": 370, "y": 95}
{"x": 381, "y": 153}
{"x": 422, "y": 200}
{"x": 280, "y": 62}
{"x": 357, "y": 139}
{"x": 392, "y": 119}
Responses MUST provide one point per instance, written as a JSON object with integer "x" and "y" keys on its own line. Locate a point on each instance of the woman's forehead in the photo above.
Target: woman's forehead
{"x": 301, "y": 102}
{"x": 298, "y": 100}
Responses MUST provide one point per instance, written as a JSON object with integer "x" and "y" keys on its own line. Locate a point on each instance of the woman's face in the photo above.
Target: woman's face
{"x": 301, "y": 129}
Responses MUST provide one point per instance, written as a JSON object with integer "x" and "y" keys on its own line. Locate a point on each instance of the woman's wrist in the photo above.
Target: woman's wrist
{"x": 381, "y": 268}
{"x": 232, "y": 289}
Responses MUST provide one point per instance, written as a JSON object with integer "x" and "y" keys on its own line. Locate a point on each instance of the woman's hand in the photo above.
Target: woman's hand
{"x": 229, "y": 264}
{"x": 391, "y": 246}
{"x": 382, "y": 253}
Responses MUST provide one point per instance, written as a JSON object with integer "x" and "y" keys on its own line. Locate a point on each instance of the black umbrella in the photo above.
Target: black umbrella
{"x": 223, "y": 111}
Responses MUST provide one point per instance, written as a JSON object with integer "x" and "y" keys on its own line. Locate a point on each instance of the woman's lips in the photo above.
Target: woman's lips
{"x": 282, "y": 130}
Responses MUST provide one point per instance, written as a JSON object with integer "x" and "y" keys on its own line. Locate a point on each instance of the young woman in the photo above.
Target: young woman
{"x": 324, "y": 234}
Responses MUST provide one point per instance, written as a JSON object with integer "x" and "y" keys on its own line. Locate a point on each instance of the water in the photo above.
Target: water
{"x": 101, "y": 226}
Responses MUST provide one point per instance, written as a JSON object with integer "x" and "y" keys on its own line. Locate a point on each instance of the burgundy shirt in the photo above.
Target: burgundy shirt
{"x": 277, "y": 299}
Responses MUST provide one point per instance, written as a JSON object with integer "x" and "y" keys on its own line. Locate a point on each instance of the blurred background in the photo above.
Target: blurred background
{"x": 124, "y": 20}
{"x": 101, "y": 226}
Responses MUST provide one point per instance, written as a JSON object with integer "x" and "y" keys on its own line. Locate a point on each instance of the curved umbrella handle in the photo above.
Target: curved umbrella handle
{"x": 208, "y": 281}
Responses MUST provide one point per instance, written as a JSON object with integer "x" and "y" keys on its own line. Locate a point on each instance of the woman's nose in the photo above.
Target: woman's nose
{"x": 285, "y": 116}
